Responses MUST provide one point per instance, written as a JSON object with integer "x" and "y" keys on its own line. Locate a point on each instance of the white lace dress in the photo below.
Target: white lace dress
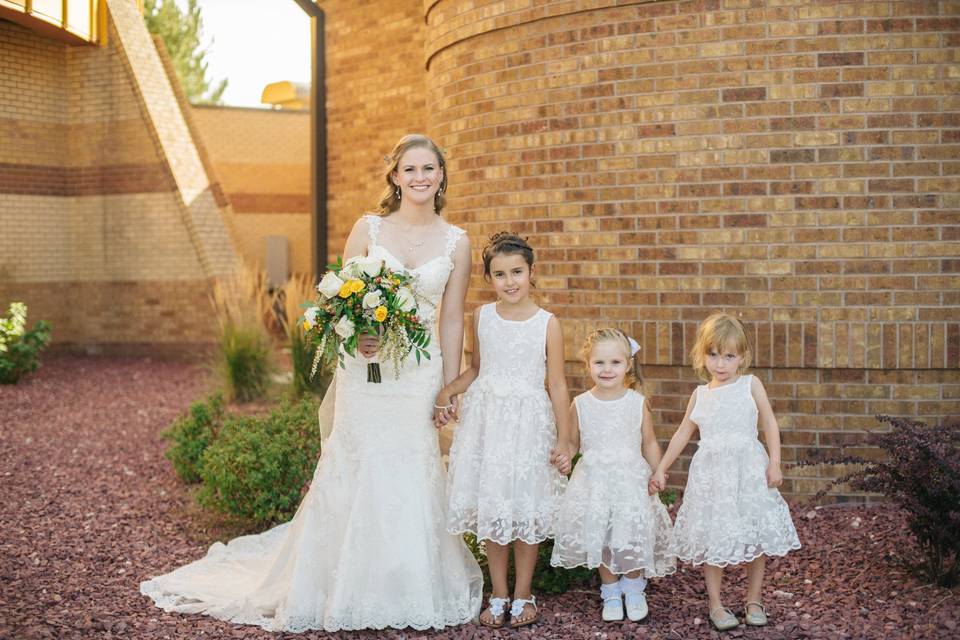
{"x": 501, "y": 485}
{"x": 367, "y": 547}
{"x": 606, "y": 517}
{"x": 729, "y": 515}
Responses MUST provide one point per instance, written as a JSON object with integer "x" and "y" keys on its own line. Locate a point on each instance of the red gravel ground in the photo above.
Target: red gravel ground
{"x": 90, "y": 507}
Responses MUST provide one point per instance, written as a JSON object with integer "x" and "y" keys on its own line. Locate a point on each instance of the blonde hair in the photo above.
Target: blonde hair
{"x": 715, "y": 333}
{"x": 633, "y": 379}
{"x": 389, "y": 201}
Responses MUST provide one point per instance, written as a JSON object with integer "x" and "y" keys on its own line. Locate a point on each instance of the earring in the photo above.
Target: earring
{"x": 397, "y": 191}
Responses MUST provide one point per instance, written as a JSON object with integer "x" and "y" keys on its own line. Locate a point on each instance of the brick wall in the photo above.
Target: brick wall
{"x": 262, "y": 161}
{"x": 376, "y": 93}
{"x": 791, "y": 162}
{"x": 107, "y": 231}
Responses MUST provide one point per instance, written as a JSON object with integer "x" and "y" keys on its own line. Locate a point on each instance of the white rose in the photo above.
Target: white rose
{"x": 310, "y": 316}
{"x": 370, "y": 265}
{"x": 372, "y": 300}
{"x": 330, "y": 285}
{"x": 344, "y": 327}
{"x": 405, "y": 299}
{"x": 351, "y": 268}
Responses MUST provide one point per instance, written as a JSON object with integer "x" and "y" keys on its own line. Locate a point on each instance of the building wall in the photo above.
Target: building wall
{"x": 262, "y": 161}
{"x": 793, "y": 163}
{"x": 376, "y": 93}
{"x": 102, "y": 235}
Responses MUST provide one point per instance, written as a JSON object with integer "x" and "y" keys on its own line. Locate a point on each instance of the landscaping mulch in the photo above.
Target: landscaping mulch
{"x": 89, "y": 508}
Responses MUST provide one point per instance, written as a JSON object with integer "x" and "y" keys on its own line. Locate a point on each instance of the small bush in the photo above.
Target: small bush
{"x": 546, "y": 579}
{"x": 257, "y": 466}
{"x": 244, "y": 361}
{"x": 20, "y": 349}
{"x": 668, "y": 497}
{"x": 921, "y": 473}
{"x": 555, "y": 579}
{"x": 192, "y": 434}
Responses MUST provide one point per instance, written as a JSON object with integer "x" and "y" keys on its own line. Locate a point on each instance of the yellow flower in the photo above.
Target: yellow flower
{"x": 356, "y": 286}
{"x": 306, "y": 326}
{"x": 344, "y": 290}
{"x": 380, "y": 314}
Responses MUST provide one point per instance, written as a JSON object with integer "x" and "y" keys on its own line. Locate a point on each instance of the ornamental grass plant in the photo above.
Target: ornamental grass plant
{"x": 243, "y": 307}
{"x": 289, "y": 305}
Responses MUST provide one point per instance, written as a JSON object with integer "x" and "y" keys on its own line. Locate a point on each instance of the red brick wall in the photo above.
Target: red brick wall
{"x": 793, "y": 163}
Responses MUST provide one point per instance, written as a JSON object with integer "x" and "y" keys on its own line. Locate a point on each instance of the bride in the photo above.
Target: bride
{"x": 367, "y": 547}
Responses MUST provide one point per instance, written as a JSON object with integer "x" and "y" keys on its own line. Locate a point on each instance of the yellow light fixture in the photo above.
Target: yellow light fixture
{"x": 286, "y": 95}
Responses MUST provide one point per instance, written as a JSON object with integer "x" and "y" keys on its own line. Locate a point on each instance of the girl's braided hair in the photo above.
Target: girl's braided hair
{"x": 509, "y": 243}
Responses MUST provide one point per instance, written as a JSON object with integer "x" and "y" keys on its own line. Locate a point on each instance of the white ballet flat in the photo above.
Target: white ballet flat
{"x": 637, "y": 608}
{"x": 612, "y": 602}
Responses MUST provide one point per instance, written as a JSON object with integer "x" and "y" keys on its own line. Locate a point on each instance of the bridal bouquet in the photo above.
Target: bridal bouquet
{"x": 363, "y": 296}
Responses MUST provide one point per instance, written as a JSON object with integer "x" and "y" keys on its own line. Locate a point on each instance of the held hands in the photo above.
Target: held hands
{"x": 445, "y": 408}
{"x": 658, "y": 482}
{"x": 561, "y": 458}
{"x": 368, "y": 345}
{"x": 774, "y": 475}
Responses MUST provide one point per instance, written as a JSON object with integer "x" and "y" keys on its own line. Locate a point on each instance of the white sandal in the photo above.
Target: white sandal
{"x": 516, "y": 610}
{"x": 496, "y": 607}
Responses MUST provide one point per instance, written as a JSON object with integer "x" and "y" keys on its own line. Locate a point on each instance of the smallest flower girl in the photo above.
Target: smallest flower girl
{"x": 606, "y": 519}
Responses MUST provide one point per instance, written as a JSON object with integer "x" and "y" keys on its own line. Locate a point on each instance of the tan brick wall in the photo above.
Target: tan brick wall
{"x": 262, "y": 161}
{"x": 104, "y": 227}
{"x": 791, "y": 162}
{"x": 376, "y": 93}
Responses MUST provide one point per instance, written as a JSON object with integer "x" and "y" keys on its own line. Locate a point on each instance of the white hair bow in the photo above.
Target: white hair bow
{"x": 634, "y": 346}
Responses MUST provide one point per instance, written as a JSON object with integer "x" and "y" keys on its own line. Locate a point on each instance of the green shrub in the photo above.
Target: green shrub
{"x": 546, "y": 579}
{"x": 920, "y": 473}
{"x": 257, "y": 466}
{"x": 668, "y": 496}
{"x": 244, "y": 361}
{"x": 19, "y": 348}
{"x": 192, "y": 434}
{"x": 555, "y": 579}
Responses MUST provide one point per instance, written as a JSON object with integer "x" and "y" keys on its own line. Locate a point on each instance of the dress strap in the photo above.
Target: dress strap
{"x": 453, "y": 235}
{"x": 373, "y": 228}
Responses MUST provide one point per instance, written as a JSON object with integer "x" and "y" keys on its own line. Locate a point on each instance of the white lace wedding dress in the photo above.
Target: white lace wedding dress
{"x": 367, "y": 547}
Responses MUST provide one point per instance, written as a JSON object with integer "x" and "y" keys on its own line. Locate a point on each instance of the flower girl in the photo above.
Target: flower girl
{"x": 501, "y": 484}
{"x": 732, "y": 512}
{"x": 607, "y": 519}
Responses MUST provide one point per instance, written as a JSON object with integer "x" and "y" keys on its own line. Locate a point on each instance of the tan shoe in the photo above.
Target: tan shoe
{"x": 496, "y": 611}
{"x": 723, "y": 619}
{"x": 754, "y": 618}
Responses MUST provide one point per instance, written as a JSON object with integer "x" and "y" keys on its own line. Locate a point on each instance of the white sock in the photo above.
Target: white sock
{"x": 611, "y": 590}
{"x": 633, "y": 585}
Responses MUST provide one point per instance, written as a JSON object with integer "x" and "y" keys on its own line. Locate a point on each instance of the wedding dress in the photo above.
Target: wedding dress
{"x": 367, "y": 547}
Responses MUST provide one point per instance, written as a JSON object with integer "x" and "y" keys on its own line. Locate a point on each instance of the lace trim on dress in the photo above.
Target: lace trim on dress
{"x": 373, "y": 228}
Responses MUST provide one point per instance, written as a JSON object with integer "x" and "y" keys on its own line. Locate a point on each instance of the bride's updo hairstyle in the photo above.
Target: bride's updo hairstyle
{"x": 389, "y": 201}
{"x": 506, "y": 242}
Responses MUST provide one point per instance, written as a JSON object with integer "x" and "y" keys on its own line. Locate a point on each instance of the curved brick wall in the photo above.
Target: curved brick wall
{"x": 791, "y": 162}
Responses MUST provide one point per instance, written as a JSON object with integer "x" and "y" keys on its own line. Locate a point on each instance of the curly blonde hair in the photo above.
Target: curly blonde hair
{"x": 714, "y": 334}
{"x": 389, "y": 202}
{"x": 633, "y": 379}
